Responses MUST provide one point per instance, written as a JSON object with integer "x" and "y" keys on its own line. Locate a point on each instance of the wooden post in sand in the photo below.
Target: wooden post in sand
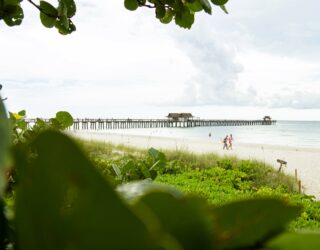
{"x": 299, "y": 185}
{"x": 282, "y": 163}
{"x": 296, "y": 174}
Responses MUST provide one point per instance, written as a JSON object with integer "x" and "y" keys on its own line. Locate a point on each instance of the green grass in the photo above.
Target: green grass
{"x": 217, "y": 179}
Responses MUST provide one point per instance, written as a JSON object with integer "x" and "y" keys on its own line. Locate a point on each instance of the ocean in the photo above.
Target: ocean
{"x": 285, "y": 133}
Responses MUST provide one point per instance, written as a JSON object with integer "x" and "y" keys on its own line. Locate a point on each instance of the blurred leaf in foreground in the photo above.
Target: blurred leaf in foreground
{"x": 4, "y": 145}
{"x": 64, "y": 203}
{"x": 249, "y": 223}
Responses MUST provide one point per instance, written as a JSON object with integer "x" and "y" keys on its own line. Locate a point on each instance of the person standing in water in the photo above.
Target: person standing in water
{"x": 230, "y": 141}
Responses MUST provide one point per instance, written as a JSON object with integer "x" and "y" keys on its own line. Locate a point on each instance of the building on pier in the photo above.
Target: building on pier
{"x": 179, "y": 116}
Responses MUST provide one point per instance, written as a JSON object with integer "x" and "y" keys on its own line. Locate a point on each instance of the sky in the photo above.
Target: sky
{"x": 261, "y": 59}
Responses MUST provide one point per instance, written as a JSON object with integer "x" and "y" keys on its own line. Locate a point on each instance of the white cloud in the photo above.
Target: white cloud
{"x": 260, "y": 55}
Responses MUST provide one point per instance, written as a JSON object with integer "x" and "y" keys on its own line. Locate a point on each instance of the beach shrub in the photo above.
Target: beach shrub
{"x": 246, "y": 178}
{"x": 74, "y": 200}
{"x": 61, "y": 201}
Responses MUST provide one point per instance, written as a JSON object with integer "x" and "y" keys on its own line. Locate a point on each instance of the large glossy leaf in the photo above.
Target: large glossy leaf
{"x": 133, "y": 191}
{"x": 160, "y": 11}
{"x": 224, "y": 9}
{"x": 48, "y": 15}
{"x": 63, "y": 202}
{"x": 168, "y": 16}
{"x": 206, "y": 6}
{"x": 158, "y": 157}
{"x": 4, "y": 144}
{"x": 71, "y": 6}
{"x": 65, "y": 119}
{"x": 184, "y": 18}
{"x": 195, "y": 6}
{"x": 244, "y": 224}
{"x": 295, "y": 241}
{"x": 219, "y": 2}
{"x": 187, "y": 219}
{"x": 13, "y": 15}
{"x": 131, "y": 4}
{"x": 12, "y": 2}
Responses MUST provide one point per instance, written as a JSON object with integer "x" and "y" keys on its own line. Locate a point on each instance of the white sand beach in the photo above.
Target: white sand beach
{"x": 305, "y": 160}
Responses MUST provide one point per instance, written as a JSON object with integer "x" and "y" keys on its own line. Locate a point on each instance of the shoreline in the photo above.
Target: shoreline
{"x": 305, "y": 160}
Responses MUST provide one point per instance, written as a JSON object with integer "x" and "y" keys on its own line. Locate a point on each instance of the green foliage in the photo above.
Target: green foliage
{"x": 133, "y": 191}
{"x": 296, "y": 241}
{"x": 62, "y": 202}
{"x": 23, "y": 133}
{"x": 246, "y": 230}
{"x": 4, "y": 145}
{"x": 12, "y": 14}
{"x": 48, "y": 14}
{"x": 74, "y": 207}
{"x": 218, "y": 180}
{"x": 185, "y": 218}
{"x": 64, "y": 119}
{"x": 131, "y": 4}
{"x": 181, "y": 11}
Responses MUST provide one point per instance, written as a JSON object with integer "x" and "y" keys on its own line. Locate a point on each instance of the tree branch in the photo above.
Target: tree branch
{"x": 35, "y": 5}
{"x": 41, "y": 10}
{"x": 146, "y": 5}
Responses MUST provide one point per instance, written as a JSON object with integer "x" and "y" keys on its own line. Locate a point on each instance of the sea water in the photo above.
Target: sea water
{"x": 284, "y": 133}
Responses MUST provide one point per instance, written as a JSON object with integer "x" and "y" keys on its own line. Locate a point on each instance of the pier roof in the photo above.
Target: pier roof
{"x": 179, "y": 115}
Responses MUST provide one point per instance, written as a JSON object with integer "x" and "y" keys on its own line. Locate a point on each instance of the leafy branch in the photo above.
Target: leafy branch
{"x": 181, "y": 11}
{"x": 59, "y": 17}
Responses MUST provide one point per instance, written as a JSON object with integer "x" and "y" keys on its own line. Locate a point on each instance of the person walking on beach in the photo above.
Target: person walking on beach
{"x": 225, "y": 143}
{"x": 230, "y": 141}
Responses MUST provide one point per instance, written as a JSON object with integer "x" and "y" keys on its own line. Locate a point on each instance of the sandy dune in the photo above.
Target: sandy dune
{"x": 305, "y": 160}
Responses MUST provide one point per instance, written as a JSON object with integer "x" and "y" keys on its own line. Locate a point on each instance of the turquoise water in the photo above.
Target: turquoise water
{"x": 286, "y": 133}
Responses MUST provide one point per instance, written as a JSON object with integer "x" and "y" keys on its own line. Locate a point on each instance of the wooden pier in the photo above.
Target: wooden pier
{"x": 107, "y": 124}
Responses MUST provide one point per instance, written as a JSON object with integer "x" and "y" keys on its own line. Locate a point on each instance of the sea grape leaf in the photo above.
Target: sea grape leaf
{"x": 12, "y": 2}
{"x": 117, "y": 171}
{"x": 157, "y": 155}
{"x": 48, "y": 15}
{"x": 145, "y": 171}
{"x": 4, "y": 144}
{"x": 41, "y": 123}
{"x": 160, "y": 11}
{"x": 195, "y": 6}
{"x": 131, "y": 4}
{"x": 219, "y": 2}
{"x": 295, "y": 241}
{"x": 22, "y": 113}
{"x": 71, "y": 8}
{"x": 64, "y": 203}
{"x": 206, "y": 6}
{"x": 187, "y": 219}
{"x": 13, "y": 15}
{"x": 167, "y": 17}
{"x": 64, "y": 118}
{"x": 244, "y": 224}
{"x": 184, "y": 18}
{"x": 136, "y": 189}
{"x": 63, "y": 27}
{"x": 224, "y": 9}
